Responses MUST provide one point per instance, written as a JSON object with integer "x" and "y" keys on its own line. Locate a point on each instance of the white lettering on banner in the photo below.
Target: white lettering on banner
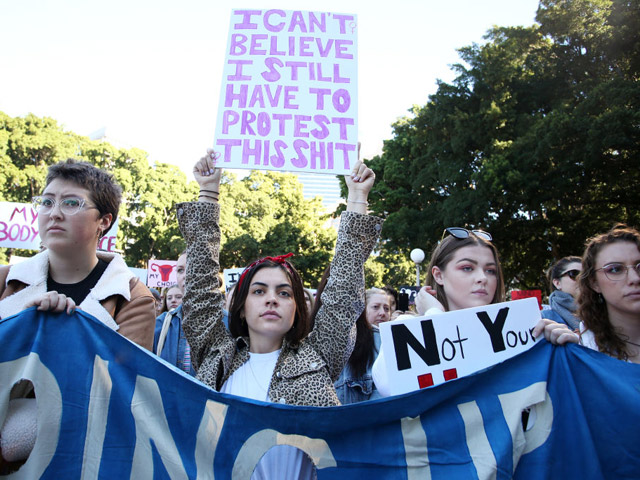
{"x": 208, "y": 436}
{"x": 99, "y": 399}
{"x": 415, "y": 449}
{"x": 534, "y": 396}
{"x": 260, "y": 442}
{"x": 151, "y": 424}
{"x": 513, "y": 404}
{"x": 479, "y": 447}
{"x": 49, "y": 412}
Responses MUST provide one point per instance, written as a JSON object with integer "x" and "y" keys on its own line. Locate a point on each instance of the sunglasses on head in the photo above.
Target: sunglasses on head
{"x": 463, "y": 233}
{"x": 572, "y": 274}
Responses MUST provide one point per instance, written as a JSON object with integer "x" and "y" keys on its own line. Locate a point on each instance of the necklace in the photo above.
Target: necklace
{"x": 255, "y": 377}
{"x": 631, "y": 343}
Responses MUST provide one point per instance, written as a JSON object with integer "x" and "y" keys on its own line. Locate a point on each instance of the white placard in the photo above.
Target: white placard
{"x": 423, "y": 351}
{"x": 161, "y": 273}
{"x": 289, "y": 94}
{"x": 231, "y": 277}
{"x": 19, "y": 228}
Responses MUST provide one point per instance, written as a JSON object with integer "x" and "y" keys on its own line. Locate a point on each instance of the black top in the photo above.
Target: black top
{"x": 78, "y": 291}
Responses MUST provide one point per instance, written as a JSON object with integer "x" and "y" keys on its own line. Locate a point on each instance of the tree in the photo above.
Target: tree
{"x": 261, "y": 214}
{"x": 265, "y": 213}
{"x": 536, "y": 140}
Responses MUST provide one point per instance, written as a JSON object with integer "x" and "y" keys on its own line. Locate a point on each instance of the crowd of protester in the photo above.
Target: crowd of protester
{"x": 239, "y": 343}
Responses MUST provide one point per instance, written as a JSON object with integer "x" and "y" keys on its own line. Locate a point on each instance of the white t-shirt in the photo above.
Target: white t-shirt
{"x": 252, "y": 380}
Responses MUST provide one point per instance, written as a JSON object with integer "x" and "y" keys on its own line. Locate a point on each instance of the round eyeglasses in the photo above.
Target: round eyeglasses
{"x": 463, "y": 233}
{"x": 68, "y": 206}
{"x": 618, "y": 271}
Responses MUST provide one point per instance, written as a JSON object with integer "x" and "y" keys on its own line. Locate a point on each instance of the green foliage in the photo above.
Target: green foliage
{"x": 536, "y": 140}
{"x": 262, "y": 214}
{"x": 265, "y": 213}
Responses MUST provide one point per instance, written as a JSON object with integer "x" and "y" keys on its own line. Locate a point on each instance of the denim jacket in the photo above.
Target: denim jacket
{"x": 175, "y": 345}
{"x": 352, "y": 389}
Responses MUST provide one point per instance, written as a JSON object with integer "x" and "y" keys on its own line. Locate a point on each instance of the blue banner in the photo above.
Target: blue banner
{"x": 109, "y": 409}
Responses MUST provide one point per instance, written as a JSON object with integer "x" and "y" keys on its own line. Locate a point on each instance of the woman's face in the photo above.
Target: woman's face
{"x": 622, "y": 296}
{"x": 307, "y": 300}
{"x": 470, "y": 279}
{"x": 269, "y": 309}
{"x": 159, "y": 305}
{"x": 62, "y": 233}
{"x": 174, "y": 298}
{"x": 567, "y": 284}
{"x": 378, "y": 309}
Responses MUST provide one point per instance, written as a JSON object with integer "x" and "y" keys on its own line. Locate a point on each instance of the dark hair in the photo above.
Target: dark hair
{"x": 592, "y": 307}
{"x": 301, "y": 324}
{"x": 363, "y": 355}
{"x": 393, "y": 292}
{"x": 558, "y": 268}
{"x": 104, "y": 192}
{"x": 443, "y": 254}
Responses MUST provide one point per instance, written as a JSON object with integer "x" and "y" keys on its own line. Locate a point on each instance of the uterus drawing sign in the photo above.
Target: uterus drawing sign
{"x": 161, "y": 273}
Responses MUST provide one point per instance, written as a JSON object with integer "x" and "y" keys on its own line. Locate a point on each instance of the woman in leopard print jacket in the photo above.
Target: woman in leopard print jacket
{"x": 271, "y": 351}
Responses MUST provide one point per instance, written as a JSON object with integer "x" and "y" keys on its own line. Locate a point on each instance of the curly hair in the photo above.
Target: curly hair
{"x": 592, "y": 307}
{"x": 443, "y": 254}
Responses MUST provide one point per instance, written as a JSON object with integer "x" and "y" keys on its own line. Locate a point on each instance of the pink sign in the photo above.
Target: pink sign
{"x": 19, "y": 228}
{"x": 288, "y": 99}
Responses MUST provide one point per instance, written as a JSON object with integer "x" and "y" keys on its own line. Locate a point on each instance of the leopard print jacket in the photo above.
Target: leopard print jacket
{"x": 304, "y": 373}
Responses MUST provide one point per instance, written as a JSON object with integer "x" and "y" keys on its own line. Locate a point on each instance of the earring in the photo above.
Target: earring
{"x": 600, "y": 298}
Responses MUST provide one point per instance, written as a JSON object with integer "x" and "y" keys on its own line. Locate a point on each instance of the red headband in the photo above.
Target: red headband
{"x": 281, "y": 259}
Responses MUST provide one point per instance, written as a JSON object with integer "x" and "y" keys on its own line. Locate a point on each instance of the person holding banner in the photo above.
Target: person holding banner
{"x": 78, "y": 206}
{"x": 609, "y": 298}
{"x": 270, "y": 352}
{"x": 464, "y": 272}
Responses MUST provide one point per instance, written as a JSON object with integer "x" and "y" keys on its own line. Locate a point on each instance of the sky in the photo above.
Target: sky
{"x": 149, "y": 71}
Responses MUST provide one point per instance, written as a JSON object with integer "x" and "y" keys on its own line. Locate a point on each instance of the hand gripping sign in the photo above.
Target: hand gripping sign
{"x": 288, "y": 99}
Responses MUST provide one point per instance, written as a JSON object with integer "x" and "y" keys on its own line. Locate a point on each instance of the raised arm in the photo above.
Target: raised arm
{"x": 333, "y": 335}
{"x": 203, "y": 301}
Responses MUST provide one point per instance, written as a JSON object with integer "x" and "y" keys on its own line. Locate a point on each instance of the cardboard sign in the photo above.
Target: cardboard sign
{"x": 520, "y": 294}
{"x": 161, "y": 273}
{"x": 231, "y": 277}
{"x": 19, "y": 228}
{"x": 423, "y": 351}
{"x": 289, "y": 98}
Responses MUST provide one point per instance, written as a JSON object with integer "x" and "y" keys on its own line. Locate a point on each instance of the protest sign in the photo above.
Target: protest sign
{"x": 110, "y": 409}
{"x": 288, "y": 99}
{"x": 161, "y": 273}
{"x": 411, "y": 292}
{"x": 520, "y": 294}
{"x": 231, "y": 277}
{"x": 19, "y": 228}
{"x": 423, "y": 351}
